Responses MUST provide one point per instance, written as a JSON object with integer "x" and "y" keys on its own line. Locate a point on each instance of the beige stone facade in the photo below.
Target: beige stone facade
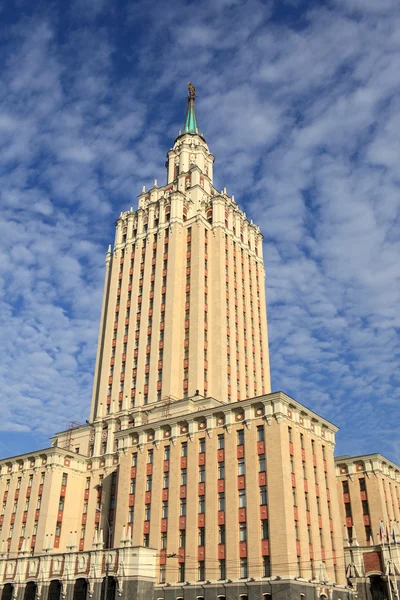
{"x": 190, "y": 479}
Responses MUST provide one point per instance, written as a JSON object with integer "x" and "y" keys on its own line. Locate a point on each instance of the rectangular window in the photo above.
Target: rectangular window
{"x": 164, "y": 540}
{"x": 134, "y": 459}
{"x": 221, "y": 501}
{"x": 266, "y": 567}
{"x": 201, "y": 571}
{"x": 184, "y": 449}
{"x": 241, "y": 466}
{"x": 202, "y": 536}
{"x": 361, "y": 482}
{"x": 146, "y": 540}
{"x": 150, "y": 457}
{"x": 147, "y": 512}
{"x": 263, "y": 495}
{"x": 261, "y": 462}
{"x": 240, "y": 437}
{"x": 202, "y": 445}
{"x": 260, "y": 433}
{"x": 64, "y": 479}
{"x": 242, "y": 498}
{"x": 221, "y": 470}
{"x": 131, "y": 514}
{"x": 162, "y": 573}
{"x": 164, "y": 510}
{"x": 221, "y": 441}
{"x": 202, "y": 474}
{"x": 222, "y": 569}
{"x": 166, "y": 480}
{"x": 167, "y": 452}
{"x": 202, "y": 504}
{"x": 365, "y": 507}
{"x": 264, "y": 529}
{"x": 242, "y": 532}
{"x": 149, "y": 482}
{"x": 183, "y": 476}
{"x": 133, "y": 486}
{"x": 221, "y": 534}
{"x": 181, "y": 574}
{"x": 243, "y": 568}
{"x": 182, "y": 538}
{"x": 183, "y": 507}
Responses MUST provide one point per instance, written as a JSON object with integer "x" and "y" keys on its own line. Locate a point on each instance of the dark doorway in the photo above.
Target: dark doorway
{"x": 378, "y": 588}
{"x": 80, "y": 589}
{"x": 7, "y": 592}
{"x": 30, "y": 591}
{"x": 54, "y": 590}
{"x": 111, "y": 588}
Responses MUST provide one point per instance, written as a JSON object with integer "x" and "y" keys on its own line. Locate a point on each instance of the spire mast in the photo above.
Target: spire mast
{"x": 190, "y": 120}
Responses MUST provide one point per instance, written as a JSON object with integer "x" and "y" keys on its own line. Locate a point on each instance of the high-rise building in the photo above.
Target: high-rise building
{"x": 184, "y": 299}
{"x": 191, "y": 480}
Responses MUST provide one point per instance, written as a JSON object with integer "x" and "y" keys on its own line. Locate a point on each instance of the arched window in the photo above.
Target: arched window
{"x": 80, "y": 589}
{"x": 111, "y": 588}
{"x": 54, "y": 590}
{"x": 7, "y": 592}
{"x": 30, "y": 591}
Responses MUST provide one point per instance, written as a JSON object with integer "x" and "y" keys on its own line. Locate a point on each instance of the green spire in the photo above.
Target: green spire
{"x": 190, "y": 120}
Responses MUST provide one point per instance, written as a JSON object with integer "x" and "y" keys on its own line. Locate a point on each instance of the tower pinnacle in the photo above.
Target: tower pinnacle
{"x": 190, "y": 120}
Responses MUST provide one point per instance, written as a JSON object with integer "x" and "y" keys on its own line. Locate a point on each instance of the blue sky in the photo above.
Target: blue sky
{"x": 299, "y": 101}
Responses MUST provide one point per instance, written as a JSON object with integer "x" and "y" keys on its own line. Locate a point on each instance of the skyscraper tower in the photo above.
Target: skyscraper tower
{"x": 184, "y": 308}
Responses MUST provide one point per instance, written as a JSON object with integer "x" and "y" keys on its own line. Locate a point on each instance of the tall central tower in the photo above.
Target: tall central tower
{"x": 184, "y": 309}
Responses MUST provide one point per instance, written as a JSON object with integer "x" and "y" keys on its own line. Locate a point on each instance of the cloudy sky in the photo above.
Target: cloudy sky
{"x": 300, "y": 103}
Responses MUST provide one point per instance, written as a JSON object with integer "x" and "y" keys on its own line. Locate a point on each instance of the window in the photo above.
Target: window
{"x": 58, "y": 529}
{"x": 222, "y": 574}
{"x": 267, "y": 571}
{"x": 202, "y": 474}
{"x": 365, "y": 507}
{"x": 181, "y": 574}
{"x": 64, "y": 479}
{"x": 146, "y": 540}
{"x": 131, "y": 514}
{"x": 183, "y": 476}
{"x": 147, "y": 512}
{"x": 201, "y": 571}
{"x": 241, "y": 466}
{"x": 202, "y": 504}
{"x": 134, "y": 459}
{"x": 347, "y": 507}
{"x": 164, "y": 510}
{"x": 163, "y": 540}
{"x": 133, "y": 486}
{"x": 263, "y": 495}
{"x": 221, "y": 470}
{"x": 183, "y": 507}
{"x": 221, "y": 534}
{"x": 202, "y": 445}
{"x": 264, "y": 529}
{"x": 19, "y": 483}
{"x": 31, "y": 480}
{"x": 242, "y": 498}
{"x": 87, "y": 486}
{"x": 61, "y": 504}
{"x": 167, "y": 452}
{"x": 221, "y": 441}
{"x": 182, "y": 538}
{"x": 243, "y": 568}
{"x": 242, "y": 532}
{"x": 150, "y": 457}
{"x": 184, "y": 449}
{"x": 39, "y": 503}
{"x": 221, "y": 501}
{"x": 261, "y": 462}
{"x": 240, "y": 437}
{"x": 166, "y": 480}
{"x": 260, "y": 433}
{"x": 162, "y": 573}
{"x": 306, "y": 501}
{"x": 362, "y": 484}
{"x": 149, "y": 481}
{"x": 202, "y": 537}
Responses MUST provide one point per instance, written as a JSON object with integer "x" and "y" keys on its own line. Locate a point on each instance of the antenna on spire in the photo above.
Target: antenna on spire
{"x": 190, "y": 119}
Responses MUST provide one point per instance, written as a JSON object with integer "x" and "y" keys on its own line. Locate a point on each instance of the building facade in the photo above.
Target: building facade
{"x": 191, "y": 479}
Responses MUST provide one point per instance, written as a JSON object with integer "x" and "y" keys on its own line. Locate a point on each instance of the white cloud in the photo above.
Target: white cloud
{"x": 303, "y": 120}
